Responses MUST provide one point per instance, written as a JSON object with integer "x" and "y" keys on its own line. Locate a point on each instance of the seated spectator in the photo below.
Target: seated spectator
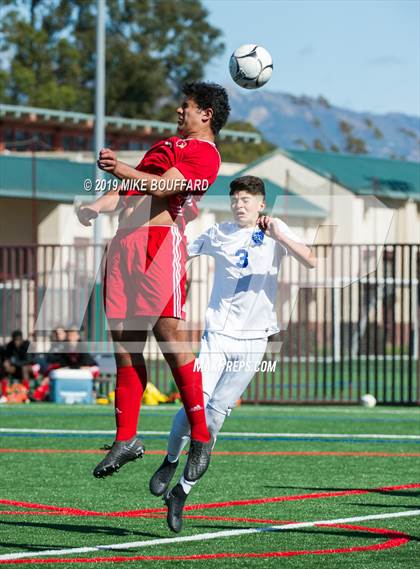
{"x": 55, "y": 356}
{"x": 17, "y": 363}
{"x": 67, "y": 351}
{"x": 77, "y": 355}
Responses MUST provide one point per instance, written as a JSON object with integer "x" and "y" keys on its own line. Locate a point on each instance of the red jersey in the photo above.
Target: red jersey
{"x": 197, "y": 160}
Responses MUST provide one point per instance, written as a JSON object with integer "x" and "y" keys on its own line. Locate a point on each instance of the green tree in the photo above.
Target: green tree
{"x": 345, "y": 127}
{"x": 318, "y": 145}
{"x": 152, "y": 47}
{"x": 301, "y": 142}
{"x": 244, "y": 152}
{"x": 355, "y": 145}
{"x": 324, "y": 102}
{"x": 377, "y": 133}
{"x": 408, "y": 132}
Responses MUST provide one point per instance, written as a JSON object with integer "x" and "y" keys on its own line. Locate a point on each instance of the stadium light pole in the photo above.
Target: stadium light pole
{"x": 99, "y": 119}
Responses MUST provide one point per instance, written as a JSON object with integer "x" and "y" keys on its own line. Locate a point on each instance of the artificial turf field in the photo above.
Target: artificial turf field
{"x": 50, "y": 500}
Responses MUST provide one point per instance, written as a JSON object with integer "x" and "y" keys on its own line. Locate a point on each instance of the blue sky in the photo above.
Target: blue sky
{"x": 360, "y": 54}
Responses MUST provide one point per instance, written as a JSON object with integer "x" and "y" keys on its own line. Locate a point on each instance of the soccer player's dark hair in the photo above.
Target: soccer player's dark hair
{"x": 251, "y": 184}
{"x": 213, "y": 96}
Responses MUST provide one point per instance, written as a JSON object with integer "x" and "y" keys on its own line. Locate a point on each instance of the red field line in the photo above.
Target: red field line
{"x": 317, "y": 495}
{"x": 147, "y": 511}
{"x": 52, "y": 509}
{"x": 395, "y": 539}
{"x": 222, "y": 453}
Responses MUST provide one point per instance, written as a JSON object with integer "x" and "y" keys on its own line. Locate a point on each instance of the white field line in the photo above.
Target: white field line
{"x": 303, "y": 409}
{"x": 227, "y": 433}
{"x": 267, "y": 410}
{"x": 201, "y": 536}
{"x": 333, "y": 410}
{"x": 354, "y": 410}
{"x": 409, "y": 412}
{"x": 324, "y": 435}
{"x": 74, "y": 431}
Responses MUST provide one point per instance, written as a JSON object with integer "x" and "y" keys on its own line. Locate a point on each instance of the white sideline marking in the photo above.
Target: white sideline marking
{"x": 202, "y": 536}
{"x": 228, "y": 433}
{"x": 355, "y": 410}
{"x": 326, "y": 435}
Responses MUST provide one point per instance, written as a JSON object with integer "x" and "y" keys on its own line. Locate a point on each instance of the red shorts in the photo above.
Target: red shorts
{"x": 145, "y": 273}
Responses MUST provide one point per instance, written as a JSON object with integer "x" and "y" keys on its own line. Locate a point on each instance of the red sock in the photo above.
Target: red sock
{"x": 190, "y": 385}
{"x": 131, "y": 382}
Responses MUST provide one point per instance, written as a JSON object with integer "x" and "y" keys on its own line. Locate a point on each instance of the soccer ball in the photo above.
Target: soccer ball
{"x": 251, "y": 66}
{"x": 368, "y": 400}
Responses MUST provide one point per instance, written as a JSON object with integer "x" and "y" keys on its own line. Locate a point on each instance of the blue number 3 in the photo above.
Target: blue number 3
{"x": 243, "y": 258}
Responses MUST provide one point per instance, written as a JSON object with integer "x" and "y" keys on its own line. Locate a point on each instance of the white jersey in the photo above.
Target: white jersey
{"x": 247, "y": 263}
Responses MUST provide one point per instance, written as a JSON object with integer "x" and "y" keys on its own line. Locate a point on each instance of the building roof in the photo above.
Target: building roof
{"x": 55, "y": 178}
{"x": 62, "y": 180}
{"x": 86, "y": 120}
{"x": 278, "y": 200}
{"x": 364, "y": 175}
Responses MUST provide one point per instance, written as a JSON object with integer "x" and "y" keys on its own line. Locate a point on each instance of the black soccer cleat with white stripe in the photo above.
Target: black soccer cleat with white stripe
{"x": 175, "y": 500}
{"x": 198, "y": 459}
{"x": 161, "y": 479}
{"x": 120, "y": 453}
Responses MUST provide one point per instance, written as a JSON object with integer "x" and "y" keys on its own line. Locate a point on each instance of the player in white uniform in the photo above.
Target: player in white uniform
{"x": 240, "y": 317}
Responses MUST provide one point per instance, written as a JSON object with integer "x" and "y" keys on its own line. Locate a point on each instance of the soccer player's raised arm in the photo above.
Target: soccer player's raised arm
{"x": 299, "y": 251}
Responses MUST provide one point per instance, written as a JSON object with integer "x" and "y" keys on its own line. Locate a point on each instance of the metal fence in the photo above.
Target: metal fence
{"x": 348, "y": 327}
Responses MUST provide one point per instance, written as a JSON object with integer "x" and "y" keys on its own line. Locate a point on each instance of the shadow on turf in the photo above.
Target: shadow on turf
{"x": 409, "y": 506}
{"x": 104, "y": 530}
{"x": 28, "y": 547}
{"x": 404, "y": 493}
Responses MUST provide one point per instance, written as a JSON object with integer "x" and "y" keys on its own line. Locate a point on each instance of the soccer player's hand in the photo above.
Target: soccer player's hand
{"x": 85, "y": 214}
{"x": 270, "y": 227}
{"x": 107, "y": 160}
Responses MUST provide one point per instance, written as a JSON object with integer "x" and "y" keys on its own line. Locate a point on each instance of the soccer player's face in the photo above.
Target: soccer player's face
{"x": 246, "y": 208}
{"x": 189, "y": 117}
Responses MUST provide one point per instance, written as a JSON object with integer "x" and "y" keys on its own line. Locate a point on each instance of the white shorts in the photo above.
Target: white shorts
{"x": 227, "y": 366}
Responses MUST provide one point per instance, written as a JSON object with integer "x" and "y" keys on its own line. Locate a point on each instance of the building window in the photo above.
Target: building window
{"x": 47, "y": 141}
{"x": 67, "y": 142}
{"x": 9, "y": 135}
{"x": 134, "y": 145}
{"x": 80, "y": 143}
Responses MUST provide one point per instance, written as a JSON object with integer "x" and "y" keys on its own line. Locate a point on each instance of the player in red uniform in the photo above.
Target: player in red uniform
{"x": 145, "y": 273}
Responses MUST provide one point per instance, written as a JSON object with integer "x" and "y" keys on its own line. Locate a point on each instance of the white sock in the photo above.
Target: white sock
{"x": 179, "y": 436}
{"x": 186, "y": 484}
{"x": 172, "y": 458}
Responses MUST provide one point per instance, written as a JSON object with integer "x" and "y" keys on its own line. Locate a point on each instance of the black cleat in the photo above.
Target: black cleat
{"x": 198, "y": 460}
{"x": 175, "y": 500}
{"x": 121, "y": 452}
{"x": 160, "y": 480}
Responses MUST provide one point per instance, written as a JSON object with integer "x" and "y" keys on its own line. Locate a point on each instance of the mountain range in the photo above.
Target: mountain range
{"x": 291, "y": 121}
